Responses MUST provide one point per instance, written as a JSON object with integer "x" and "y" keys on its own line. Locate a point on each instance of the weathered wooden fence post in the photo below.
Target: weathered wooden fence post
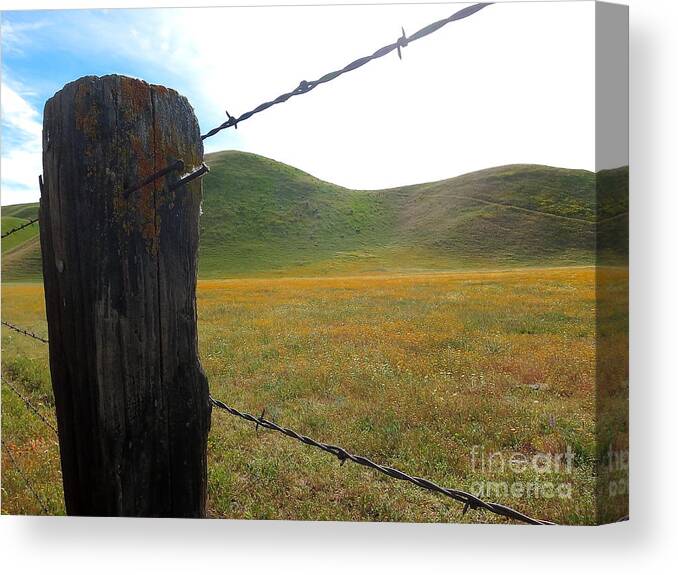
{"x": 120, "y": 276}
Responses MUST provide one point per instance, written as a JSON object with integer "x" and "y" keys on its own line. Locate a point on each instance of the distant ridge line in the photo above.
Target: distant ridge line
{"x": 262, "y": 216}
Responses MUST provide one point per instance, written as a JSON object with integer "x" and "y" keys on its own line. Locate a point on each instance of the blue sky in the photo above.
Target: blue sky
{"x": 43, "y": 50}
{"x": 512, "y": 84}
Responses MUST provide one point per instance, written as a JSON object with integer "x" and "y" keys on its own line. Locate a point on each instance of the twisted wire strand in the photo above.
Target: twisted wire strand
{"x": 19, "y": 228}
{"x": 25, "y": 479}
{"x": 24, "y": 332}
{"x": 30, "y": 406}
{"x": 305, "y": 87}
{"x": 469, "y": 500}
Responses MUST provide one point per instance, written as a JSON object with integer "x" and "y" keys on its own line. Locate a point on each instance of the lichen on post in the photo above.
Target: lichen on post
{"x": 120, "y": 277}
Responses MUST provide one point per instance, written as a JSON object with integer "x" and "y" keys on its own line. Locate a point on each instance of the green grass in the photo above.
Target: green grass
{"x": 21, "y": 211}
{"x": 18, "y": 238}
{"x": 261, "y": 217}
{"x": 391, "y": 322}
{"x": 411, "y": 371}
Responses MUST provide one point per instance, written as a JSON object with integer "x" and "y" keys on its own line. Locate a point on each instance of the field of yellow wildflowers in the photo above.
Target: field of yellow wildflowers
{"x": 450, "y": 376}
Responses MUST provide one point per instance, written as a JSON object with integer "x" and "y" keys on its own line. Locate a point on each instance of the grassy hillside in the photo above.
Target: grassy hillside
{"x": 21, "y": 211}
{"x": 510, "y": 215}
{"x": 21, "y": 260}
{"x": 261, "y": 217}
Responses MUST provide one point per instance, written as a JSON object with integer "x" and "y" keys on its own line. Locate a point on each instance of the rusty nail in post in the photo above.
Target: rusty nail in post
{"x": 202, "y": 170}
{"x": 178, "y": 165}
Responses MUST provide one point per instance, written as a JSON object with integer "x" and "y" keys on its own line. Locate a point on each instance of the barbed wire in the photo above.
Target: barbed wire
{"x": 305, "y": 87}
{"x": 30, "y": 405}
{"x": 178, "y": 166}
{"x": 19, "y": 228}
{"x": 470, "y": 501}
{"x": 25, "y": 479}
{"x": 24, "y": 332}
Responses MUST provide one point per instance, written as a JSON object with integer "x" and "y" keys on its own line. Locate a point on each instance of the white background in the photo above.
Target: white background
{"x": 646, "y": 544}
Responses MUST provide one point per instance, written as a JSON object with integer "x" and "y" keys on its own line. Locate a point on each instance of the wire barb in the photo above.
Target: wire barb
{"x": 305, "y": 86}
{"x": 19, "y": 228}
{"x": 263, "y": 412}
{"x": 468, "y": 499}
{"x": 30, "y": 405}
{"x": 232, "y": 120}
{"x": 402, "y": 43}
{"x": 24, "y": 332}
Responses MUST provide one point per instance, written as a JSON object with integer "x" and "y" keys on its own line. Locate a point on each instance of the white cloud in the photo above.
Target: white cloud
{"x": 21, "y": 161}
{"x": 512, "y": 84}
{"x": 18, "y": 114}
{"x": 20, "y": 171}
{"x": 17, "y": 37}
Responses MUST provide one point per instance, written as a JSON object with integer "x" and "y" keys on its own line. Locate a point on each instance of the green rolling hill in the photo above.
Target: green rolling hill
{"x": 261, "y": 217}
{"x": 21, "y": 260}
